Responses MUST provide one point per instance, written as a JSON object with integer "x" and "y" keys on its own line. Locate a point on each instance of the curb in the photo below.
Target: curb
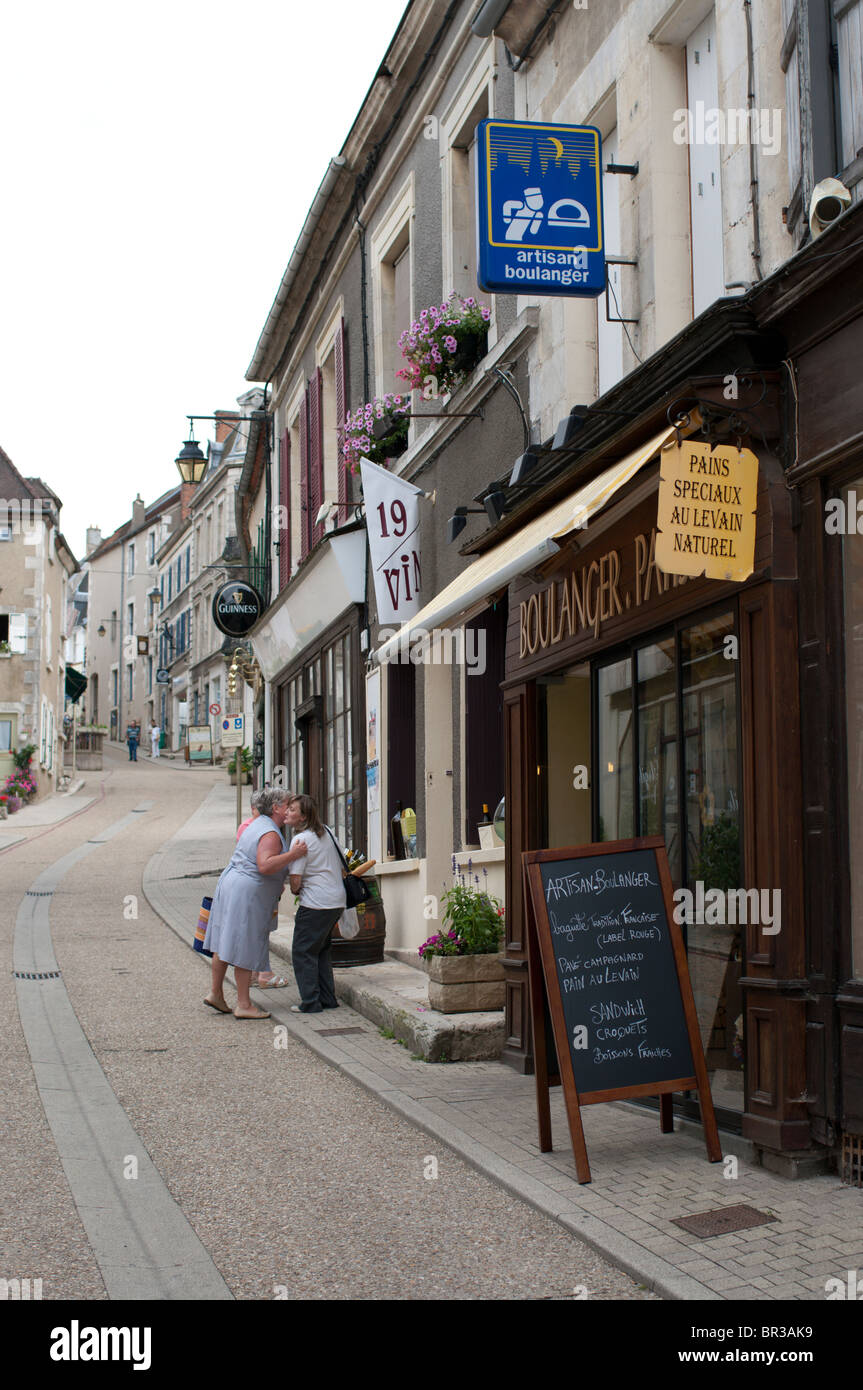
{"x": 620, "y": 1250}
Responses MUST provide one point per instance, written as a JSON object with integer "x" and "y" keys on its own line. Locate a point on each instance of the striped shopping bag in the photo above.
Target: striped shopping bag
{"x": 201, "y": 928}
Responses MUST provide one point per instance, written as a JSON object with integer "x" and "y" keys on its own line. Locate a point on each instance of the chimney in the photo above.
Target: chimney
{"x": 139, "y": 513}
{"x": 94, "y": 538}
{"x": 225, "y": 422}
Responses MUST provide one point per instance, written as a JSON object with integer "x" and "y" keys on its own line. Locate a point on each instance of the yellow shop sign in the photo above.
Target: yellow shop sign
{"x": 706, "y": 511}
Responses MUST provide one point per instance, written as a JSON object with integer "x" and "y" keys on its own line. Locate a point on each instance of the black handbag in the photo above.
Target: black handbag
{"x": 356, "y": 891}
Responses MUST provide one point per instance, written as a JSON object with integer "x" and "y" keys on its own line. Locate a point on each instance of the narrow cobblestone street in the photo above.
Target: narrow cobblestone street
{"x": 270, "y": 1174}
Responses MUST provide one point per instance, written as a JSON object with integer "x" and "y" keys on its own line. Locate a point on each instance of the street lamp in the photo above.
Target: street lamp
{"x": 191, "y": 462}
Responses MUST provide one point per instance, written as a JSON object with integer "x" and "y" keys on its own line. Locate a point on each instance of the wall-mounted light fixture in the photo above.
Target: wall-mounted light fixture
{"x": 458, "y": 521}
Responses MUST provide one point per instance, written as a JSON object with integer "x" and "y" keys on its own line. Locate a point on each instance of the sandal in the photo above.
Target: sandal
{"x": 277, "y": 982}
{"x": 218, "y": 1007}
{"x": 250, "y": 1016}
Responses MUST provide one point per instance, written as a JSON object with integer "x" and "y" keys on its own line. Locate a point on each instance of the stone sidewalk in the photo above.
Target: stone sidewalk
{"x": 484, "y": 1111}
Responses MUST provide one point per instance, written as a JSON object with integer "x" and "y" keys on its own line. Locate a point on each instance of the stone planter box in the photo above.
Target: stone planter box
{"x": 465, "y": 984}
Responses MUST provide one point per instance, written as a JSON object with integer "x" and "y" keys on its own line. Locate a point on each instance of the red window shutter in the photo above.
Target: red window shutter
{"x": 341, "y": 410}
{"x": 285, "y": 501}
{"x": 304, "y": 477}
{"x": 316, "y": 454}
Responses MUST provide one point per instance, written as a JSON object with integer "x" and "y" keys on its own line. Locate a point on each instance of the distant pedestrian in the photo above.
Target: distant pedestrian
{"x": 155, "y": 735}
{"x": 320, "y": 884}
{"x": 133, "y": 734}
{"x": 241, "y": 917}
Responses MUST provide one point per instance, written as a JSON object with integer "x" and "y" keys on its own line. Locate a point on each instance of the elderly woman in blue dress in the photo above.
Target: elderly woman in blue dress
{"x": 245, "y": 903}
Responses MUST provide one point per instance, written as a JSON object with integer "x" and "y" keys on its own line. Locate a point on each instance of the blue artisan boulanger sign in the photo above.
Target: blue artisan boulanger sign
{"x": 539, "y": 208}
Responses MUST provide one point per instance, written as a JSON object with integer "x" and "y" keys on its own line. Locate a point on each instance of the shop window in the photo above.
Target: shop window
{"x": 401, "y": 742}
{"x": 565, "y": 725}
{"x": 292, "y": 744}
{"x": 485, "y": 646}
{"x": 338, "y": 738}
{"x": 667, "y": 763}
{"x": 853, "y": 567}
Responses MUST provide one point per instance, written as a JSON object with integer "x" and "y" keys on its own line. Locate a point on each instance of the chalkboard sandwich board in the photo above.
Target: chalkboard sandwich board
{"x": 603, "y": 941}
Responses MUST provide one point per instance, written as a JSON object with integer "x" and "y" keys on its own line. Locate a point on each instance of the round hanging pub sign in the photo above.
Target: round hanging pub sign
{"x": 236, "y": 608}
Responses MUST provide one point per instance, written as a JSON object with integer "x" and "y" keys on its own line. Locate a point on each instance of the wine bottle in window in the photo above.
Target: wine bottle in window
{"x": 397, "y": 833}
{"x": 485, "y": 816}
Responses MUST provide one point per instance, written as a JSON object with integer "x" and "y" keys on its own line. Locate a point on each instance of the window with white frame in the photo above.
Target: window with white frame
{"x": 609, "y": 335}
{"x": 130, "y": 559}
{"x": 330, "y": 356}
{"x": 392, "y": 278}
{"x": 18, "y": 633}
{"x": 130, "y": 619}
{"x": 705, "y": 188}
{"x": 847, "y": 34}
{"x": 790, "y": 63}
{"x": 472, "y": 104}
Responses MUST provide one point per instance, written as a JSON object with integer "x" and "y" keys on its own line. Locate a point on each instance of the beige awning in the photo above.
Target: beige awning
{"x": 526, "y": 549}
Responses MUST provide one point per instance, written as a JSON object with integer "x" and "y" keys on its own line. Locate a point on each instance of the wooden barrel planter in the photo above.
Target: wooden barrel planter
{"x": 367, "y": 947}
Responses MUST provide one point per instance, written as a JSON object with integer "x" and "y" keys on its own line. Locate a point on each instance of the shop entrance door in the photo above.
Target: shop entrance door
{"x": 667, "y": 763}
{"x": 658, "y": 724}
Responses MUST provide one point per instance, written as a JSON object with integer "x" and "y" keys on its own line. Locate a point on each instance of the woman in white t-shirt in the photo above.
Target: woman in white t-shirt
{"x": 320, "y": 885}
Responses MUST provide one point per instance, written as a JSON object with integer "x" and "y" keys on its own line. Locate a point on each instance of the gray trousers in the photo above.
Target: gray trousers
{"x": 312, "y": 958}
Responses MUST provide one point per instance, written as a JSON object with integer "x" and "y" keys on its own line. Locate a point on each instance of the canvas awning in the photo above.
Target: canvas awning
{"x": 528, "y": 548}
{"x": 76, "y": 684}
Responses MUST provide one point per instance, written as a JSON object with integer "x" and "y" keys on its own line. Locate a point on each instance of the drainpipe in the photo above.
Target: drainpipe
{"x": 753, "y": 176}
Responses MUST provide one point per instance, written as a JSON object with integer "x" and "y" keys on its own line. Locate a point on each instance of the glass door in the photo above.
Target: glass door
{"x": 666, "y": 762}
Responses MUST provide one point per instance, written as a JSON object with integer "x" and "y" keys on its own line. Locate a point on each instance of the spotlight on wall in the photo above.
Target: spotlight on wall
{"x": 458, "y": 521}
{"x": 524, "y": 464}
{"x": 567, "y": 429}
{"x": 494, "y": 503}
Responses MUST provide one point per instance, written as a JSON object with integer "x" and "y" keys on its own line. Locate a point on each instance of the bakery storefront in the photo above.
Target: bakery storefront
{"x": 642, "y": 703}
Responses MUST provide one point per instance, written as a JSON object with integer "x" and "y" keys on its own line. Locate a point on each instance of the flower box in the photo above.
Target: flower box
{"x": 465, "y": 984}
{"x": 444, "y": 344}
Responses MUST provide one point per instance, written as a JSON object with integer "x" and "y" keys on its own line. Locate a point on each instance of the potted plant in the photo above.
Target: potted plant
{"x": 246, "y": 763}
{"x": 445, "y": 343}
{"x": 24, "y": 756}
{"x": 463, "y": 960}
{"x": 5, "y": 649}
{"x": 13, "y": 804}
{"x": 377, "y": 431}
{"x": 20, "y": 785}
{"x": 4, "y": 810}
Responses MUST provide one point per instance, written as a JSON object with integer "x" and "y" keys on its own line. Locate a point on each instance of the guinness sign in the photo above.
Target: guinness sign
{"x": 236, "y": 608}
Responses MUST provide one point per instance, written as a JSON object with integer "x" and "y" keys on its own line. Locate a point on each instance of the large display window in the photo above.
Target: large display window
{"x": 661, "y": 737}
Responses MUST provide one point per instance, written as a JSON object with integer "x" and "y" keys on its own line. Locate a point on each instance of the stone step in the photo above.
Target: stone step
{"x": 394, "y": 996}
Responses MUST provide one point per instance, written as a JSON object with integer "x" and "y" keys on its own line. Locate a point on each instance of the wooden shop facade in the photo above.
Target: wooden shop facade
{"x": 724, "y": 716}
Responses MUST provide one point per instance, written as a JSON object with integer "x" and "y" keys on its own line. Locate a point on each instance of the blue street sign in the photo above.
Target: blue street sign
{"x": 539, "y": 208}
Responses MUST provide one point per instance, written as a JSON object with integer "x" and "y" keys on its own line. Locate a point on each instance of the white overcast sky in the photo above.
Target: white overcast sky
{"x": 157, "y": 162}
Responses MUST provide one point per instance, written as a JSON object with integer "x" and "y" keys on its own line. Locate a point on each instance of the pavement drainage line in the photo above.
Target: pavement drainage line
{"x": 130, "y": 1224}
